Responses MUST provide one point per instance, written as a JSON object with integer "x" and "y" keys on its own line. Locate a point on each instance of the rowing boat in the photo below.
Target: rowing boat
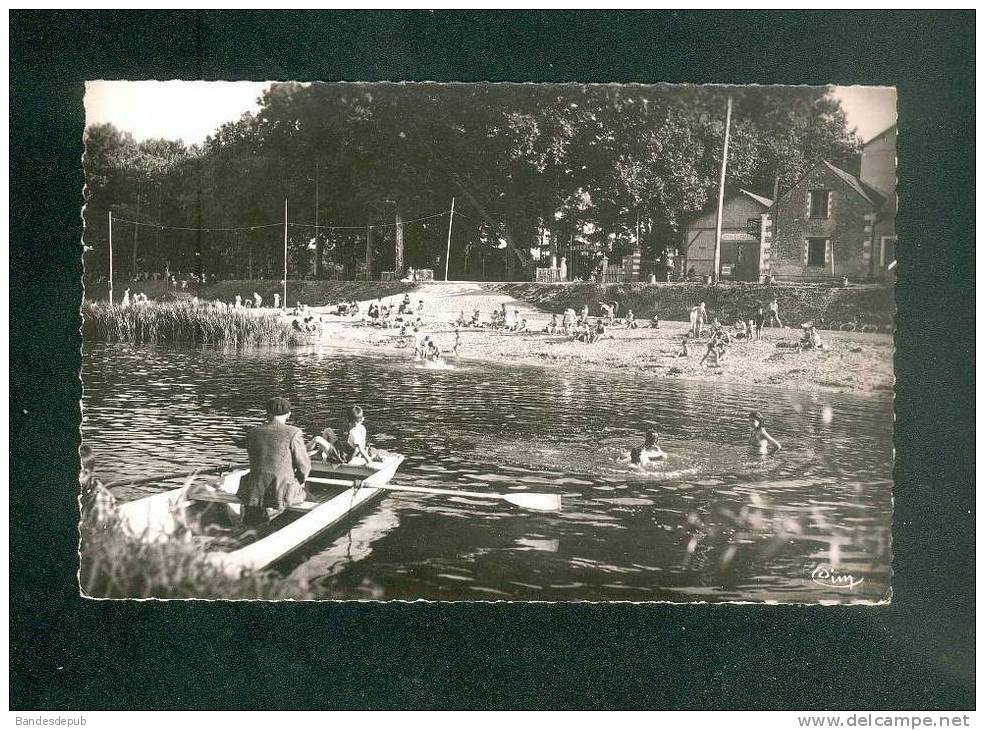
{"x": 341, "y": 491}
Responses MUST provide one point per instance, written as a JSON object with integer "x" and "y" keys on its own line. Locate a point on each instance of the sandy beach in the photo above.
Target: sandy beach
{"x": 851, "y": 361}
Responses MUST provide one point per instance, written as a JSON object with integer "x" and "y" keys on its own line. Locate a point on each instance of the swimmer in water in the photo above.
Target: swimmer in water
{"x": 649, "y": 451}
{"x": 758, "y": 437}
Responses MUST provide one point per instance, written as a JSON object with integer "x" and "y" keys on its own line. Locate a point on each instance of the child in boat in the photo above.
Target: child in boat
{"x": 326, "y": 447}
{"x": 759, "y": 439}
{"x": 649, "y": 451}
{"x": 356, "y": 446}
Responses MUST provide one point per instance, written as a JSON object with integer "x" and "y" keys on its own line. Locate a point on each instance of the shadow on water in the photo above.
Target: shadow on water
{"x": 712, "y": 522}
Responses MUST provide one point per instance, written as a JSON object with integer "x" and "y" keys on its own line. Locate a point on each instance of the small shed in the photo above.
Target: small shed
{"x": 742, "y": 213}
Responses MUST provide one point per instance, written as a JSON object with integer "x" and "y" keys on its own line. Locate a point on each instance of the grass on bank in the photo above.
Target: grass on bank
{"x": 314, "y": 293}
{"x": 116, "y": 564}
{"x": 184, "y": 323}
{"x": 798, "y": 302}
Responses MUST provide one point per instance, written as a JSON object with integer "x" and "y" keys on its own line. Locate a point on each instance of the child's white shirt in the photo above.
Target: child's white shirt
{"x": 357, "y": 436}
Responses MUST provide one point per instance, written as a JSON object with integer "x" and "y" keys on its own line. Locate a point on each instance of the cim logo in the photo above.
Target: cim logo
{"x": 826, "y": 576}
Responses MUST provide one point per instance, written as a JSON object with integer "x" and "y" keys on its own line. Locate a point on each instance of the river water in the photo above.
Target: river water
{"x": 713, "y": 523}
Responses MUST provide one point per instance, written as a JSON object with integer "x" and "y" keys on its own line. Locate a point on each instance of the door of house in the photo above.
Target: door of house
{"x": 746, "y": 262}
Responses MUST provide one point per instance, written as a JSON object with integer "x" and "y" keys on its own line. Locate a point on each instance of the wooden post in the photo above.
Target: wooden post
{"x": 721, "y": 195}
{"x": 111, "y": 257}
{"x": 284, "y": 290}
{"x": 451, "y": 218}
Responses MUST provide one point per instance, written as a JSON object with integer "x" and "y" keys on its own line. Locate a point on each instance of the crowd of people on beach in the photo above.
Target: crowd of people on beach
{"x": 579, "y": 326}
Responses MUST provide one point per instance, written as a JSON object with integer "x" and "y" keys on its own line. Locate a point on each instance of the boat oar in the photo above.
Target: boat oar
{"x": 527, "y": 500}
{"x": 173, "y": 475}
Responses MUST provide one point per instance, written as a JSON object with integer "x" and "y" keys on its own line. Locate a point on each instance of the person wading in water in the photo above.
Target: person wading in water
{"x": 279, "y": 464}
{"x": 759, "y": 439}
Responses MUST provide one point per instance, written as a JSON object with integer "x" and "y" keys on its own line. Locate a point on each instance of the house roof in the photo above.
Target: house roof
{"x": 857, "y": 185}
{"x": 758, "y": 198}
{"x": 883, "y": 132}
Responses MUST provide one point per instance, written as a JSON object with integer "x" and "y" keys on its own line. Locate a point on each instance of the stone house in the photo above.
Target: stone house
{"x": 821, "y": 228}
{"x": 741, "y": 227}
{"x": 878, "y": 171}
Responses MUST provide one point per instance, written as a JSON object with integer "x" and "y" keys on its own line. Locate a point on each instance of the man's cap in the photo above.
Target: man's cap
{"x": 278, "y": 407}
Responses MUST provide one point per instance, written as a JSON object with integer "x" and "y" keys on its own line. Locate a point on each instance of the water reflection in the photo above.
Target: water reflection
{"x": 713, "y": 522}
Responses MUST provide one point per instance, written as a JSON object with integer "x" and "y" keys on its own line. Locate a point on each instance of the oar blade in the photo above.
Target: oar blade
{"x": 536, "y": 502}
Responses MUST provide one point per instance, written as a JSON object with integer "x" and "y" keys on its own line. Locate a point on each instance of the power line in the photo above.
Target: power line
{"x": 375, "y": 225}
{"x": 277, "y": 225}
{"x": 187, "y": 228}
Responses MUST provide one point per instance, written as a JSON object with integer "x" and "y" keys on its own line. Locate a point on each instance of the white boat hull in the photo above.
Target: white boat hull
{"x": 161, "y": 516}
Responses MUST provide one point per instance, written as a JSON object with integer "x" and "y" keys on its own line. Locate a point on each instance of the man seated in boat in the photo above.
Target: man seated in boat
{"x": 279, "y": 464}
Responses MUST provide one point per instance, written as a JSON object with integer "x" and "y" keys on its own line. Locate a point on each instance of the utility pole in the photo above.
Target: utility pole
{"x": 451, "y": 218}
{"x": 317, "y": 234}
{"x": 369, "y": 246}
{"x": 721, "y": 195}
{"x": 136, "y": 228}
{"x": 285, "y": 255}
{"x": 111, "y": 257}
{"x": 398, "y": 245}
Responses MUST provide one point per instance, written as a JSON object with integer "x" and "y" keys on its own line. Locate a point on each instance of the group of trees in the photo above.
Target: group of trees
{"x": 526, "y": 163}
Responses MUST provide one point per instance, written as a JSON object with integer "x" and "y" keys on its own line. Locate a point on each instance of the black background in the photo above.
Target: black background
{"x": 68, "y": 653}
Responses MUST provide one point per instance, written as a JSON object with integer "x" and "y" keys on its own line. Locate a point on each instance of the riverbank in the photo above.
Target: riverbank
{"x": 851, "y": 362}
{"x": 871, "y": 306}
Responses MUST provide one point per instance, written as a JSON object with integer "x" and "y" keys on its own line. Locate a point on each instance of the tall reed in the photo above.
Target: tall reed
{"x": 185, "y": 323}
{"x": 116, "y": 564}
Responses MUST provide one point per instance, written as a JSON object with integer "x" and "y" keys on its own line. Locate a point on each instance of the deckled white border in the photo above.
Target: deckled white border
{"x": 885, "y": 601}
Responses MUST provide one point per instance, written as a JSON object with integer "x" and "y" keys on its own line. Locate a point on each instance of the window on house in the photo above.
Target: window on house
{"x": 815, "y": 251}
{"x": 752, "y": 227}
{"x": 887, "y": 252}
{"x": 819, "y": 203}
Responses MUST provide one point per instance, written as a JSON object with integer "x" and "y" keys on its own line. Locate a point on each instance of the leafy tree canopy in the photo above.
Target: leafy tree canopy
{"x": 526, "y": 163}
